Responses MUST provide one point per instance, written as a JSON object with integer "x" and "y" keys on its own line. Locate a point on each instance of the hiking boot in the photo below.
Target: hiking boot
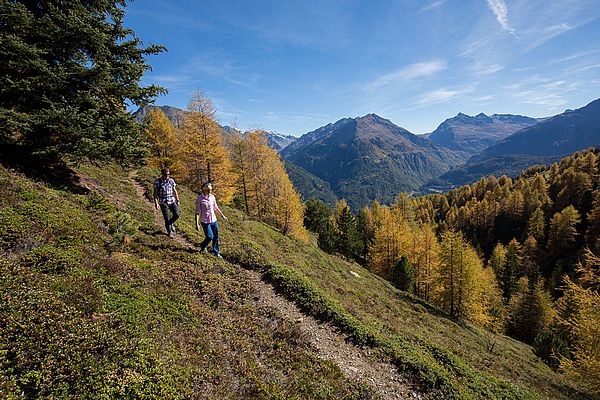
{"x": 203, "y": 250}
{"x": 173, "y": 229}
{"x": 218, "y": 256}
{"x": 171, "y": 234}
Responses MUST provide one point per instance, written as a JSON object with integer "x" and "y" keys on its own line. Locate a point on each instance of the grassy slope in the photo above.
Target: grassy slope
{"x": 179, "y": 315}
{"x": 448, "y": 358}
{"x": 82, "y": 316}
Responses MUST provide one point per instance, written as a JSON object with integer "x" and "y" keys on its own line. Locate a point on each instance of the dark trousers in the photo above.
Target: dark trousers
{"x": 170, "y": 213}
{"x": 211, "y": 231}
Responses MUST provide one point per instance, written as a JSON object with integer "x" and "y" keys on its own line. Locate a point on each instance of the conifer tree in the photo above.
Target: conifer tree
{"x": 316, "y": 215}
{"x": 365, "y": 224}
{"x": 239, "y": 155}
{"x": 529, "y": 257}
{"x": 593, "y": 231}
{"x": 266, "y": 188}
{"x": 579, "y": 311}
{"x": 562, "y": 233}
{"x": 536, "y": 225}
{"x": 348, "y": 242}
{"x": 392, "y": 240}
{"x": 466, "y": 289}
{"x": 497, "y": 260}
{"x": 530, "y": 311}
{"x": 203, "y": 154}
{"x": 164, "y": 142}
{"x": 509, "y": 276}
{"x": 403, "y": 275}
{"x": 425, "y": 261}
{"x": 69, "y": 69}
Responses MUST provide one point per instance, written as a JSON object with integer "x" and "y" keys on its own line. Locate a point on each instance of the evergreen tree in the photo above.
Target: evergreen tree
{"x": 69, "y": 69}
{"x": 348, "y": 242}
{"x": 403, "y": 275}
{"x": 316, "y": 215}
{"x": 509, "y": 276}
{"x": 365, "y": 225}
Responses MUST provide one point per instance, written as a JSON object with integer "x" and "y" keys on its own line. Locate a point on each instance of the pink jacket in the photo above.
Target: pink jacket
{"x": 205, "y": 207}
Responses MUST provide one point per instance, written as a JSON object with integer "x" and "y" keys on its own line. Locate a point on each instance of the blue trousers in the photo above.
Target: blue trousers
{"x": 211, "y": 232}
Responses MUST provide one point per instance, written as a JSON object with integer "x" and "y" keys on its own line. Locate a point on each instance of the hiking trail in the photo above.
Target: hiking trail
{"x": 357, "y": 364}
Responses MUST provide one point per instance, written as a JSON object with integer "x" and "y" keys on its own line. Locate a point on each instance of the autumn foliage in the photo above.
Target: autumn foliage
{"x": 241, "y": 167}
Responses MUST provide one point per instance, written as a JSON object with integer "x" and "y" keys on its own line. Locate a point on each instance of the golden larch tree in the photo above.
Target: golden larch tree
{"x": 264, "y": 185}
{"x": 203, "y": 154}
{"x": 164, "y": 142}
{"x": 393, "y": 239}
{"x": 583, "y": 323}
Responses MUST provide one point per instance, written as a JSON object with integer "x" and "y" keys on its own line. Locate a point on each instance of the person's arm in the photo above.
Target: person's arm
{"x": 176, "y": 194}
{"x": 198, "y": 213}
{"x": 219, "y": 210}
{"x": 155, "y": 195}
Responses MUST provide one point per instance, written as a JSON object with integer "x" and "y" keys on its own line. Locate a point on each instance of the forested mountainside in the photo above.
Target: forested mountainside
{"x": 309, "y": 185}
{"x": 508, "y": 254}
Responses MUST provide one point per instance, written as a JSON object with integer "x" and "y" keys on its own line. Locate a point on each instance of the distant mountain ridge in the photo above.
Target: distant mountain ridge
{"x": 367, "y": 158}
{"x": 471, "y": 135}
{"x": 542, "y": 143}
{"x": 556, "y": 136}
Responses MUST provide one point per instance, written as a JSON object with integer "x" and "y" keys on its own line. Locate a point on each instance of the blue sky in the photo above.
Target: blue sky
{"x": 294, "y": 66}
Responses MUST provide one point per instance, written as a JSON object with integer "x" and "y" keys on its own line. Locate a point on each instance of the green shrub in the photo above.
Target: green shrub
{"x": 121, "y": 224}
{"x": 50, "y": 259}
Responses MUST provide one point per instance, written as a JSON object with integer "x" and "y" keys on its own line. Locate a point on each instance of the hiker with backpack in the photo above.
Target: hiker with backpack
{"x": 166, "y": 196}
{"x": 206, "y": 205}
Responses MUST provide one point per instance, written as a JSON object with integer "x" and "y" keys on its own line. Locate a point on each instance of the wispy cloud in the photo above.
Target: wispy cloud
{"x": 500, "y": 10}
{"x": 443, "y": 95}
{"x": 575, "y": 56}
{"x": 408, "y": 73}
{"x": 434, "y": 5}
{"x": 480, "y": 68}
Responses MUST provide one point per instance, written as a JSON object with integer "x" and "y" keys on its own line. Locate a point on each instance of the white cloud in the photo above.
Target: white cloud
{"x": 442, "y": 95}
{"x": 500, "y": 10}
{"x": 486, "y": 69}
{"x": 408, "y": 73}
{"x": 432, "y": 6}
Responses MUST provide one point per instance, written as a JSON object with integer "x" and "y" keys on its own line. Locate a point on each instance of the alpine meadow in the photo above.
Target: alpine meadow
{"x": 236, "y": 214}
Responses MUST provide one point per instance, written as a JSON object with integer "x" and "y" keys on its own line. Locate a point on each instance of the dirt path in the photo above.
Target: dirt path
{"x": 356, "y": 363}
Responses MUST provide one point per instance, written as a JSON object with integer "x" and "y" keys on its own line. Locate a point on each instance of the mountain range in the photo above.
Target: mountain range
{"x": 369, "y": 158}
{"x": 471, "y": 135}
{"x": 366, "y": 158}
{"x": 542, "y": 143}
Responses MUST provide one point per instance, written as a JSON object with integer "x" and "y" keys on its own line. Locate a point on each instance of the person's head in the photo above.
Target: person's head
{"x": 165, "y": 173}
{"x": 206, "y": 187}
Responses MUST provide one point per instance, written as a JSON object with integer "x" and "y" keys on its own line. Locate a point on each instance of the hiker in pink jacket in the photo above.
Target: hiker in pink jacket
{"x": 206, "y": 205}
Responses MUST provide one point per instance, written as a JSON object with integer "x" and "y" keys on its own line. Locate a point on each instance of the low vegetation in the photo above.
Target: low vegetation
{"x": 83, "y": 315}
